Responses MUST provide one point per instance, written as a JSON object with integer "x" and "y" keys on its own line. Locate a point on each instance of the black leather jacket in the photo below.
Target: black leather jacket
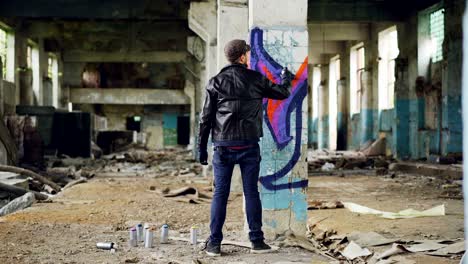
{"x": 233, "y": 106}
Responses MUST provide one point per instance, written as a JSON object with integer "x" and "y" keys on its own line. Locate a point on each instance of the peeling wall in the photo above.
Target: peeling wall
{"x": 426, "y": 118}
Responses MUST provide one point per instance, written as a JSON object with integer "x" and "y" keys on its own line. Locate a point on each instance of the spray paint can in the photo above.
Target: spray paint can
{"x": 105, "y": 245}
{"x": 149, "y": 238}
{"x": 164, "y": 234}
{"x": 139, "y": 229}
{"x": 146, "y": 226}
{"x": 133, "y": 237}
{"x": 193, "y": 235}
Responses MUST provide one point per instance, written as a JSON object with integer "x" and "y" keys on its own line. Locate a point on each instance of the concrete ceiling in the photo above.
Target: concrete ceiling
{"x": 97, "y": 9}
{"x": 364, "y": 10}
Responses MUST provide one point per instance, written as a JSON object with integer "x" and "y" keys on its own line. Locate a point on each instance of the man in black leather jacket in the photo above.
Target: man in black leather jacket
{"x": 233, "y": 113}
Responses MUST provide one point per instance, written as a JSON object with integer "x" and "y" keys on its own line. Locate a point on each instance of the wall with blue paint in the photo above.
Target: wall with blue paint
{"x": 283, "y": 168}
{"x": 409, "y": 133}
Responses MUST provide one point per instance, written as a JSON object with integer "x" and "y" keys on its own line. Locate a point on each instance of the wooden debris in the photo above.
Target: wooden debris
{"x": 30, "y": 174}
{"x": 17, "y": 192}
{"x": 317, "y": 204}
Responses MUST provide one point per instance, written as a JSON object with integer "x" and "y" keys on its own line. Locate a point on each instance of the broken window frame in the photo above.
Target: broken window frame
{"x": 357, "y": 67}
{"x": 8, "y": 53}
{"x": 3, "y": 50}
{"x": 388, "y": 53}
{"x": 437, "y": 33}
{"x": 35, "y": 70}
{"x": 53, "y": 74}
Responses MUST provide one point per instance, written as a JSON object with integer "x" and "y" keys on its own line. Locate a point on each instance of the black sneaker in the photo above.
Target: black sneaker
{"x": 212, "y": 250}
{"x": 260, "y": 247}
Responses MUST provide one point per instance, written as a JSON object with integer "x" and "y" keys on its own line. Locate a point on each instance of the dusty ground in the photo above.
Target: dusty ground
{"x": 66, "y": 230}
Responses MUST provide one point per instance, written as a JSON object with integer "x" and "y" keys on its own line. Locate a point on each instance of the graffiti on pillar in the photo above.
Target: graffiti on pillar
{"x": 278, "y": 112}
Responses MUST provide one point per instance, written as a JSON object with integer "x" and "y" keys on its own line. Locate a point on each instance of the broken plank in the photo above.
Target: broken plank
{"x": 17, "y": 191}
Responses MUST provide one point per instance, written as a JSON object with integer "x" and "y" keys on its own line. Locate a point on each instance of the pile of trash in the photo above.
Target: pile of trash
{"x": 322, "y": 162}
{"x": 369, "y": 247}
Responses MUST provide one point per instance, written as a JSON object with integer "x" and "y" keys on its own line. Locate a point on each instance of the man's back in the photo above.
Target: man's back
{"x": 233, "y": 105}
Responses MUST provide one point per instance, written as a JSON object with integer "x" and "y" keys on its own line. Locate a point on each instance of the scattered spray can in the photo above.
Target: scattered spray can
{"x": 149, "y": 238}
{"x": 133, "y": 237}
{"x": 146, "y": 227}
{"x": 105, "y": 245}
{"x": 139, "y": 229}
{"x": 193, "y": 235}
{"x": 164, "y": 234}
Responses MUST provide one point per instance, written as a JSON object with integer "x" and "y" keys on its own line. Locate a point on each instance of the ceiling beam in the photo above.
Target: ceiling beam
{"x": 319, "y": 32}
{"x": 326, "y": 47}
{"x": 151, "y": 57}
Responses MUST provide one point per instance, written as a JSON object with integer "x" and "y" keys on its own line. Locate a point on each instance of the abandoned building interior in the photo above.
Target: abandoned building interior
{"x": 100, "y": 102}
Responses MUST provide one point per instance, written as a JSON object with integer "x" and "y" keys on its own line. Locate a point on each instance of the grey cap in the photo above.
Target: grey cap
{"x": 234, "y": 49}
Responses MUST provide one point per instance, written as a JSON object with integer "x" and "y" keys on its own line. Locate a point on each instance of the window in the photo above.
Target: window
{"x": 437, "y": 34}
{"x": 7, "y": 52}
{"x": 388, "y": 52}
{"x": 33, "y": 64}
{"x": 52, "y": 73}
{"x": 3, "y": 51}
{"x": 29, "y": 57}
{"x": 357, "y": 66}
{"x": 333, "y": 102}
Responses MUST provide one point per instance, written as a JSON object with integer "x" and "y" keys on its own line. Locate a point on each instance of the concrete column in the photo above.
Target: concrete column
{"x": 342, "y": 115}
{"x": 202, "y": 18}
{"x": 406, "y": 136}
{"x": 367, "y": 110}
{"x": 452, "y": 128}
{"x": 233, "y": 17}
{"x": 279, "y": 38}
{"x": 323, "y": 109}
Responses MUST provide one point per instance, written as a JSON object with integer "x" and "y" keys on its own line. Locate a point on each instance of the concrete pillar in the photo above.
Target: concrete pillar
{"x": 279, "y": 38}
{"x": 202, "y": 18}
{"x": 24, "y": 92}
{"x": 323, "y": 117}
{"x": 405, "y": 130}
{"x": 233, "y": 17}
{"x": 367, "y": 110}
{"x": 402, "y": 110}
{"x": 451, "y": 79}
{"x": 342, "y": 115}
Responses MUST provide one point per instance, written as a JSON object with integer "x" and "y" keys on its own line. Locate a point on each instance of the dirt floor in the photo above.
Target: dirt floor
{"x": 67, "y": 229}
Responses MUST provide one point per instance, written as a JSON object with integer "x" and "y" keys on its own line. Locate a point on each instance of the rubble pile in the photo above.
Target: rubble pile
{"x": 325, "y": 162}
{"x": 367, "y": 247}
{"x": 58, "y": 173}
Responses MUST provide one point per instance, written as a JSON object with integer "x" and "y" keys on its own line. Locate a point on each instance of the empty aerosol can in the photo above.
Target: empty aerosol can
{"x": 193, "y": 235}
{"x": 149, "y": 238}
{"x": 164, "y": 234}
{"x": 139, "y": 229}
{"x": 105, "y": 245}
{"x": 133, "y": 237}
{"x": 146, "y": 226}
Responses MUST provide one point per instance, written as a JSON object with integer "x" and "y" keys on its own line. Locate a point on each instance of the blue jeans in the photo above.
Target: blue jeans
{"x": 224, "y": 160}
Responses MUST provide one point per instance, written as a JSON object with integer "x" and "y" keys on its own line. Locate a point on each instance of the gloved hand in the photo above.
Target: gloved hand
{"x": 286, "y": 76}
{"x": 203, "y": 156}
